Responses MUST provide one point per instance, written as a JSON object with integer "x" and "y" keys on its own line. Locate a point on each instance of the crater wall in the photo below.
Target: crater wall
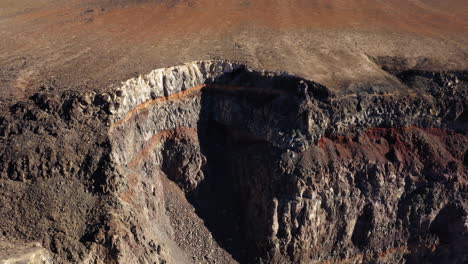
{"x": 212, "y": 161}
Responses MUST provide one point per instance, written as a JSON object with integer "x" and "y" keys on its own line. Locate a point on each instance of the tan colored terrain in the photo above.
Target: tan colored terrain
{"x": 17, "y": 253}
{"x": 90, "y": 44}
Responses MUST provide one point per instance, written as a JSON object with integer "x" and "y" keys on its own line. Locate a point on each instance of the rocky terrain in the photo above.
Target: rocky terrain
{"x": 212, "y": 161}
{"x": 292, "y": 140}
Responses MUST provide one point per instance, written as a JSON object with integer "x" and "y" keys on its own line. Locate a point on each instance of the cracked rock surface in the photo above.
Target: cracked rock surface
{"x": 17, "y": 253}
{"x": 217, "y": 162}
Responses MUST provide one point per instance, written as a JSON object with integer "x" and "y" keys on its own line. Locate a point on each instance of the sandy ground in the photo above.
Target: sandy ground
{"x": 95, "y": 43}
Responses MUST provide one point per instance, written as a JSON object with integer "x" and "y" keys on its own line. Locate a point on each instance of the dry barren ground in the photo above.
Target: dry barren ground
{"x": 91, "y": 44}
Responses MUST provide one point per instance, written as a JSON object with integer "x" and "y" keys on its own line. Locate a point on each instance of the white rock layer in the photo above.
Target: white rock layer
{"x": 167, "y": 81}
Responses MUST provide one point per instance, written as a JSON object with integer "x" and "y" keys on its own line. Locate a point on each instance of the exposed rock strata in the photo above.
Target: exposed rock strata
{"x": 279, "y": 168}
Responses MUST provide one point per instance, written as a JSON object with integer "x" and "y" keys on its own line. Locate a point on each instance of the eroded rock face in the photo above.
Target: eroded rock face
{"x": 279, "y": 169}
{"x": 17, "y": 253}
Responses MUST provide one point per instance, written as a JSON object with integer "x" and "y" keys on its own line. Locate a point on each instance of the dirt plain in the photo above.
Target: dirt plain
{"x": 92, "y": 44}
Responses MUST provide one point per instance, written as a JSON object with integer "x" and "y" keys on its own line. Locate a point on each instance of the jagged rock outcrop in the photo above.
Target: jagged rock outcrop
{"x": 17, "y": 253}
{"x": 277, "y": 169}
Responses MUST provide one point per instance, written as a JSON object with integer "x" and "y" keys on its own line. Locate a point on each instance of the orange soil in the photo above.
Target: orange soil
{"x": 188, "y": 133}
{"x": 190, "y": 91}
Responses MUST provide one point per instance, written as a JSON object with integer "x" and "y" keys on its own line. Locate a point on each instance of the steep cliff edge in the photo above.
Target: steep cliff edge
{"x": 212, "y": 161}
